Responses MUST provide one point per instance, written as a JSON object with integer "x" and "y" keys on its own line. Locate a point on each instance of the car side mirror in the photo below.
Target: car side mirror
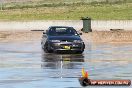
{"x": 80, "y": 33}
{"x": 44, "y": 32}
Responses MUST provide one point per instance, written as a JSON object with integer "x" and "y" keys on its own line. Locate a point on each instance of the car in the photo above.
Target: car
{"x": 62, "y": 39}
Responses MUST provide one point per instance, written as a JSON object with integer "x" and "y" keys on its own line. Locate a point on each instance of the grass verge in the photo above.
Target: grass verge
{"x": 74, "y": 11}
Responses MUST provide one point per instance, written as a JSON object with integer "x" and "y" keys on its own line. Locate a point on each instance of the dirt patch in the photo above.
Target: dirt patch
{"x": 20, "y": 36}
{"x": 95, "y": 36}
{"x": 112, "y": 36}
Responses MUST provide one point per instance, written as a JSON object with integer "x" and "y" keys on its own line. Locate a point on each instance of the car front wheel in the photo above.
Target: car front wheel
{"x": 46, "y": 49}
{"x": 79, "y": 52}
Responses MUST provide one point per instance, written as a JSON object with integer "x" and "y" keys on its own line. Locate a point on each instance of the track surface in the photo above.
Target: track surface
{"x": 24, "y": 65}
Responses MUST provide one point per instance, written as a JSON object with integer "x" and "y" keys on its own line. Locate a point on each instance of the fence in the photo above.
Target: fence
{"x": 112, "y": 24}
{"x": 98, "y": 25}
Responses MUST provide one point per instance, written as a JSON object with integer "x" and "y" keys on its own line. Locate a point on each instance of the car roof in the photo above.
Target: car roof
{"x": 61, "y": 26}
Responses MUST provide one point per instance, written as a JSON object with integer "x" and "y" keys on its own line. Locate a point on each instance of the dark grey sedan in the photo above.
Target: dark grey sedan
{"x": 62, "y": 39}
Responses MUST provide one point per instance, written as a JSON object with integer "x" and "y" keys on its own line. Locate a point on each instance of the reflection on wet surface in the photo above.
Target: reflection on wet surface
{"x": 25, "y": 65}
{"x": 65, "y": 61}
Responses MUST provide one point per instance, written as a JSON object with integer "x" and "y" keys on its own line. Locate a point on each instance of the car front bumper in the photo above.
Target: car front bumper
{"x": 67, "y": 46}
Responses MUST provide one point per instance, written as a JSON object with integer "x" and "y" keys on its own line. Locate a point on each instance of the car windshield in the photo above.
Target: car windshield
{"x": 56, "y": 31}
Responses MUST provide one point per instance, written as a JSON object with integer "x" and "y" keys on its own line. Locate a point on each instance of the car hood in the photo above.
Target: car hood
{"x": 64, "y": 38}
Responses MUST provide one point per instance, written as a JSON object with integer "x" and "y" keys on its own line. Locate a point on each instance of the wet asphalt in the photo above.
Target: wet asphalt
{"x": 25, "y": 65}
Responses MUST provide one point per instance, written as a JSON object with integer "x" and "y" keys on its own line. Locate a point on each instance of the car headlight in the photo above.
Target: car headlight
{"x": 77, "y": 41}
{"x": 55, "y": 40}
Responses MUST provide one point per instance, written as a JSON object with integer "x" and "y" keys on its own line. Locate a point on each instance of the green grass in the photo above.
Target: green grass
{"x": 67, "y": 11}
